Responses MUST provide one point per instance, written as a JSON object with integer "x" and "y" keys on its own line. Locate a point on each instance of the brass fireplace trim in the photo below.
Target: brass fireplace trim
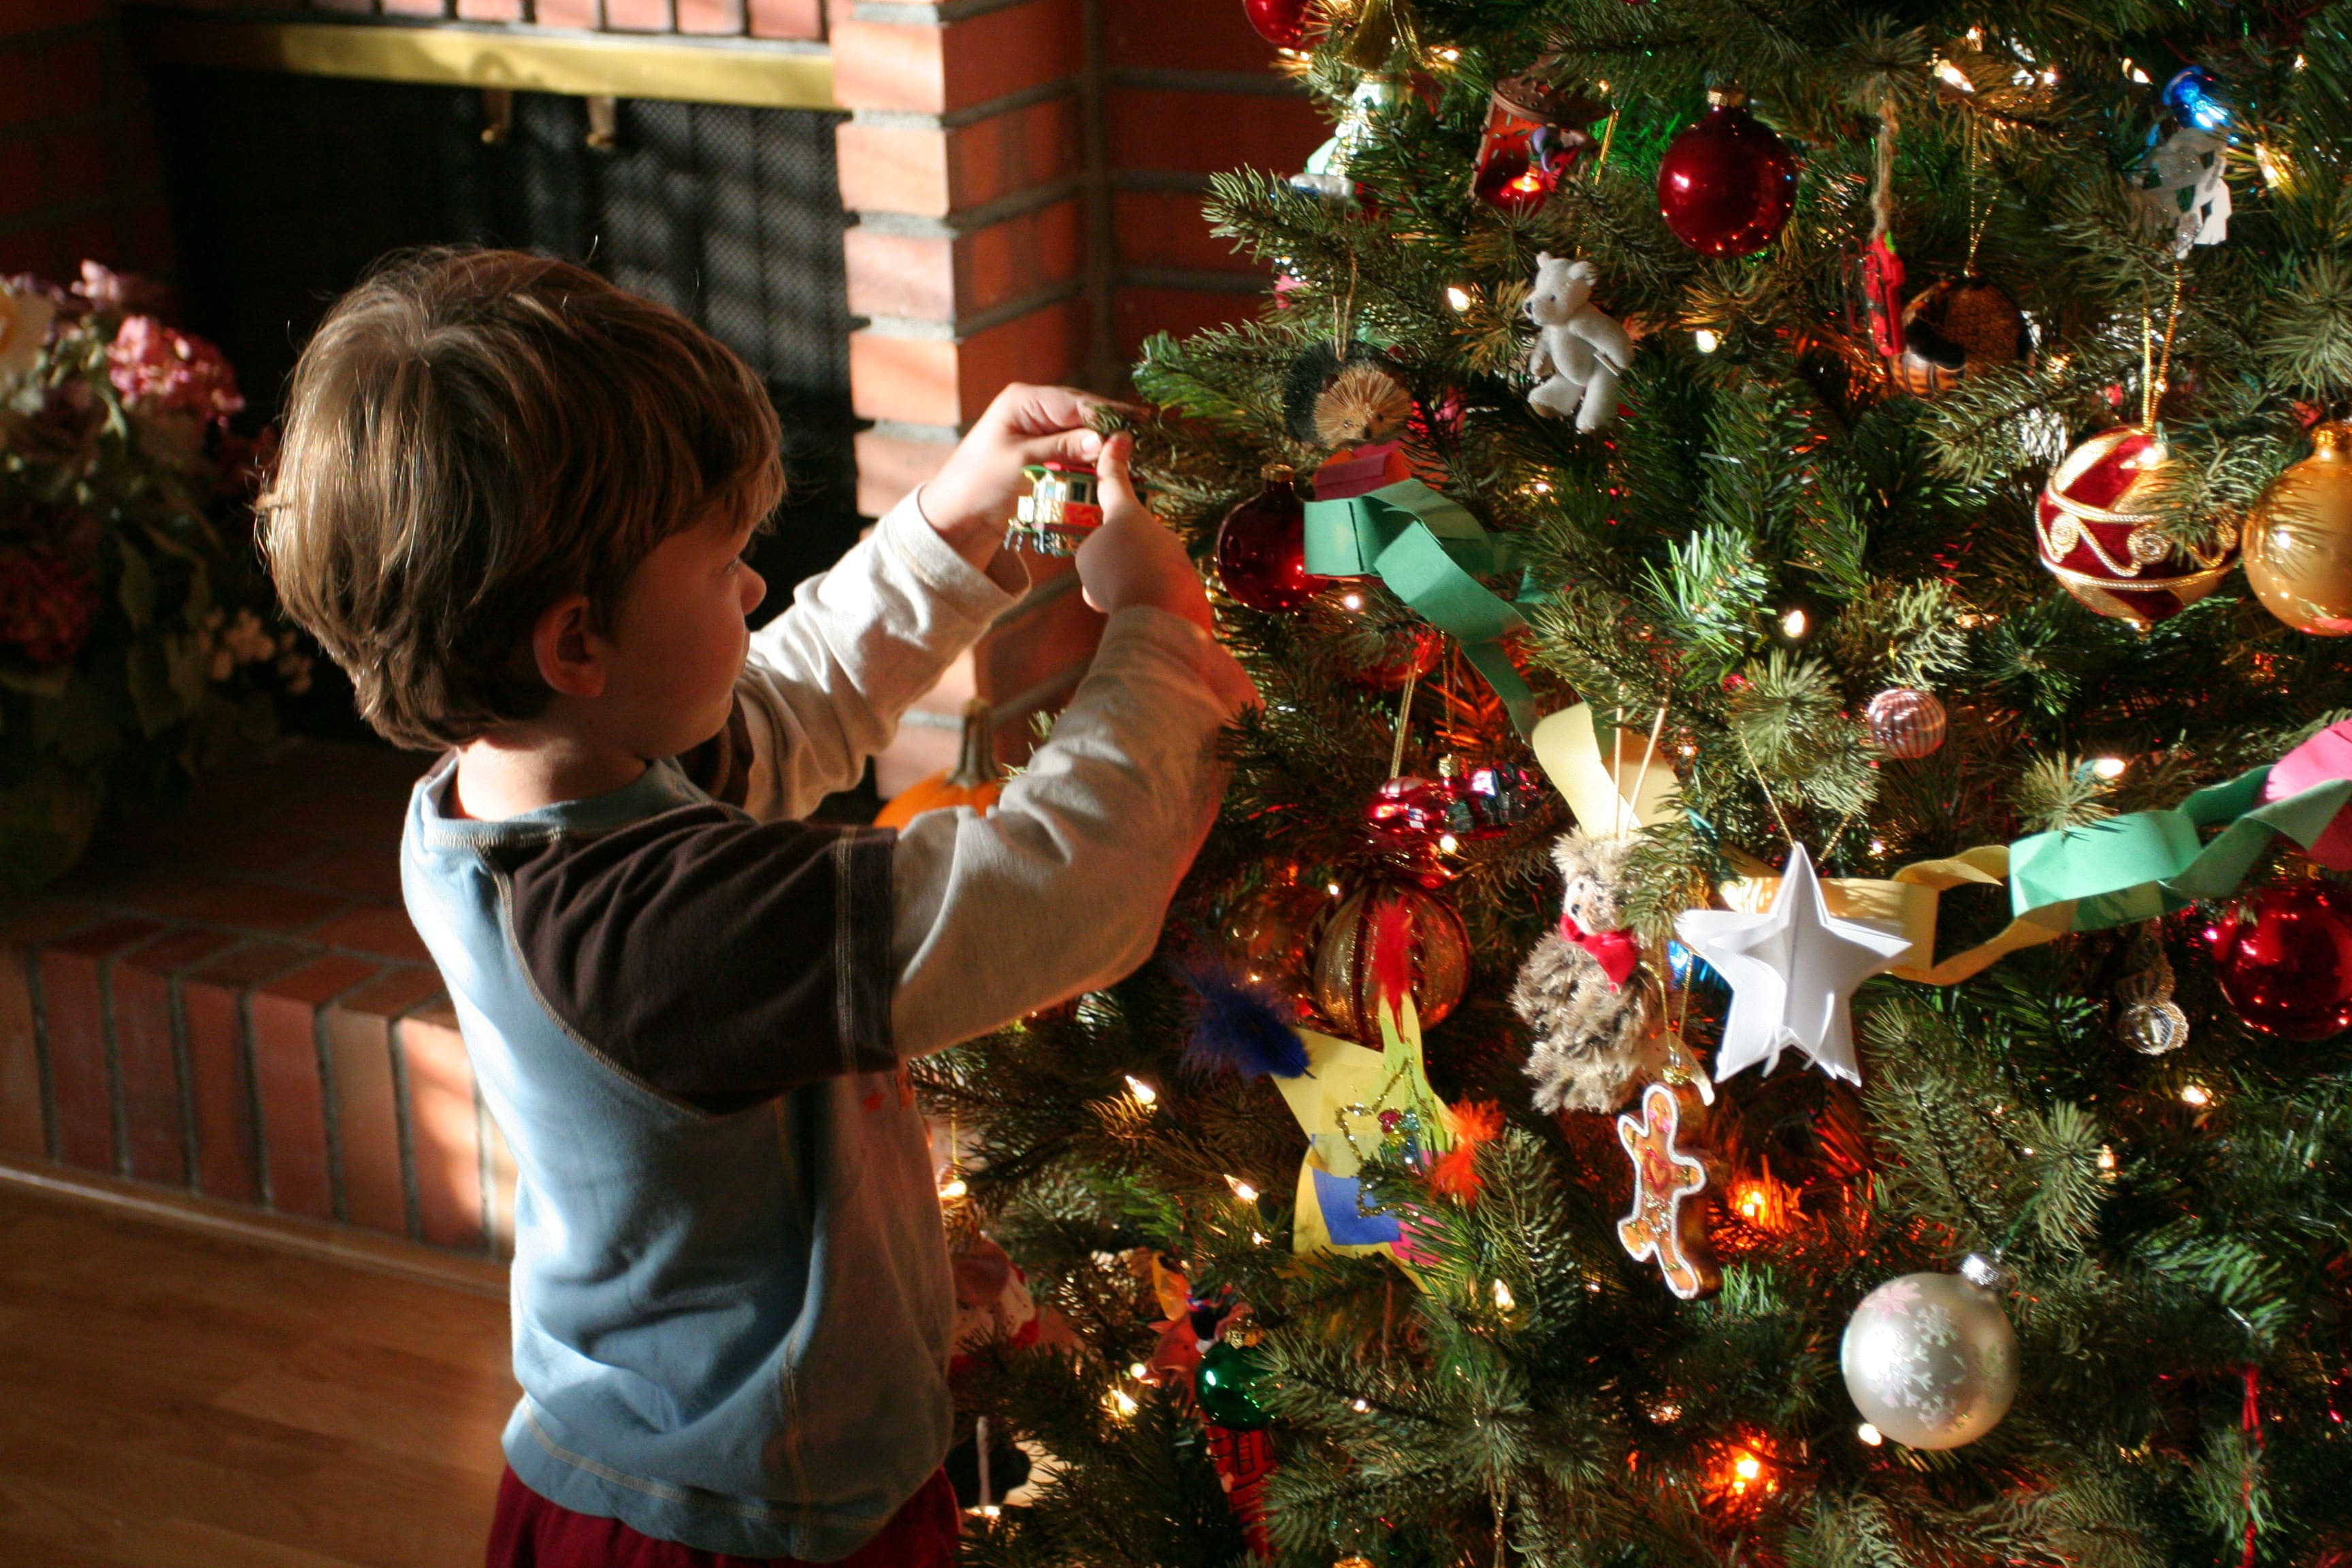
{"x": 523, "y": 59}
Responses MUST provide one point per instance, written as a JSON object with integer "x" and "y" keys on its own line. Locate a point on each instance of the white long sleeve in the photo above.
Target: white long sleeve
{"x": 1061, "y": 887}
{"x": 828, "y": 679}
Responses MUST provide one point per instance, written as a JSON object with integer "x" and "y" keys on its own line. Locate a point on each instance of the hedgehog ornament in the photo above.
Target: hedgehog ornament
{"x": 1584, "y": 989}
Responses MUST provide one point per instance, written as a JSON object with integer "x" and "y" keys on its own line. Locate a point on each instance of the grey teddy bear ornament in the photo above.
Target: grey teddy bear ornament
{"x": 1583, "y": 988}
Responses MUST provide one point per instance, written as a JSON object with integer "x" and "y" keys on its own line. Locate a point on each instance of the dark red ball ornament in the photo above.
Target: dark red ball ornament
{"x": 1727, "y": 184}
{"x": 1262, "y": 550}
{"x": 1287, "y": 24}
{"x": 2284, "y": 961}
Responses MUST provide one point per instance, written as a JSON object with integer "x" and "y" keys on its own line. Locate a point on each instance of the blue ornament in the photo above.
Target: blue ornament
{"x": 2192, "y": 95}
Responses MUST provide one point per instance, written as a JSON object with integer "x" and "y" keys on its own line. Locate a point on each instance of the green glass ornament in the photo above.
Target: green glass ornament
{"x": 1227, "y": 1386}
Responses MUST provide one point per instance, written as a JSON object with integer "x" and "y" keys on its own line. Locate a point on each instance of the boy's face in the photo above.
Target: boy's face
{"x": 679, "y": 640}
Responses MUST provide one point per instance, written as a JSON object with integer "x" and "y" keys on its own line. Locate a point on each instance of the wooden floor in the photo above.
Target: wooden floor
{"x": 173, "y": 1400}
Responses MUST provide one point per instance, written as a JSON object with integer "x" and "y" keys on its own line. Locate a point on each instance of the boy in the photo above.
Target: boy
{"x": 512, "y": 503}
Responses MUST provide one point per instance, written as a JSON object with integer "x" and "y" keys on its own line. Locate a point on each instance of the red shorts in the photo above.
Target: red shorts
{"x": 528, "y": 1531}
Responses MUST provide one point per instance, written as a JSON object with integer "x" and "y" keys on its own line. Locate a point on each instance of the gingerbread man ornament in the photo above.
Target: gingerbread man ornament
{"x": 1668, "y": 1222}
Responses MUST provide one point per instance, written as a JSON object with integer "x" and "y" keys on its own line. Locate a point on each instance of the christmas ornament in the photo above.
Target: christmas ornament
{"x": 1584, "y": 989}
{"x": 1260, "y": 550}
{"x": 1930, "y": 1359}
{"x": 1417, "y": 815}
{"x": 1727, "y": 184}
{"x": 1346, "y": 982}
{"x": 1229, "y": 1383}
{"x": 1906, "y": 723}
{"x": 1792, "y": 970}
{"x": 1268, "y": 935}
{"x": 2284, "y": 958}
{"x": 1058, "y": 512}
{"x": 1325, "y": 176}
{"x": 1391, "y": 654}
{"x": 1668, "y": 1222}
{"x": 1579, "y": 353}
{"x": 2147, "y": 1017}
{"x": 1882, "y": 295}
{"x": 1954, "y": 329}
{"x": 2298, "y": 538}
{"x": 1243, "y": 1461}
{"x": 2179, "y": 179}
{"x": 1335, "y": 396}
{"x": 2097, "y": 537}
{"x": 1286, "y": 24}
{"x": 976, "y": 780}
{"x": 1534, "y": 136}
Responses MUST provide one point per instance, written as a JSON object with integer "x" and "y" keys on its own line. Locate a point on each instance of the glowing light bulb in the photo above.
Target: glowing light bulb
{"x": 1504, "y": 1300}
{"x": 1242, "y": 1189}
{"x": 1457, "y": 296}
{"x": 1449, "y": 55}
{"x": 1953, "y": 77}
{"x": 1332, "y": 889}
{"x": 1258, "y": 1237}
{"x": 2108, "y": 768}
{"x": 1794, "y": 625}
{"x": 2196, "y": 1094}
{"x": 1747, "y": 1468}
{"x": 1352, "y": 601}
{"x": 1447, "y": 844}
{"x": 1752, "y": 1201}
{"x": 1870, "y": 1435}
{"x": 1707, "y": 341}
{"x": 1363, "y": 1407}
{"x": 1122, "y": 1403}
{"x": 1541, "y": 487}
{"x": 953, "y": 1187}
{"x": 1139, "y": 1372}
{"x": 2107, "y": 1158}
{"x": 2273, "y": 165}
{"x": 1144, "y": 1093}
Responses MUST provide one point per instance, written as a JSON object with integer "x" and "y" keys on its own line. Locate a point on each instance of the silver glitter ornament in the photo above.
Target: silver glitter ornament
{"x": 1930, "y": 1359}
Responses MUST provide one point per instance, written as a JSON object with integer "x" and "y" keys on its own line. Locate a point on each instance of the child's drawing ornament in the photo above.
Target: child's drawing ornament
{"x": 1058, "y": 512}
{"x": 1579, "y": 353}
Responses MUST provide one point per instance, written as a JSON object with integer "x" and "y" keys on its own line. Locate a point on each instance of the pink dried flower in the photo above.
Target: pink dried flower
{"x": 157, "y": 370}
{"x": 125, "y": 292}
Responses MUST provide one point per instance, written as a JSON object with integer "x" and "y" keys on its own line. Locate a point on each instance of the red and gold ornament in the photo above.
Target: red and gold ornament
{"x": 1435, "y": 941}
{"x": 2283, "y": 959}
{"x": 2098, "y": 537}
{"x": 1727, "y": 184}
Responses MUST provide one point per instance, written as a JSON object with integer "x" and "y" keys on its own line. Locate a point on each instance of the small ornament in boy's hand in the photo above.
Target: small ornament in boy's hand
{"x": 1668, "y": 1222}
{"x": 1058, "y": 512}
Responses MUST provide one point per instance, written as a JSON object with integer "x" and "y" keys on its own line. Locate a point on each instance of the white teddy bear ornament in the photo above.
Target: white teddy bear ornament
{"x": 1579, "y": 353}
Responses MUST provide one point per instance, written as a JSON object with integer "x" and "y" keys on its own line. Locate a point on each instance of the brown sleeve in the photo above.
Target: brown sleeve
{"x": 719, "y": 961}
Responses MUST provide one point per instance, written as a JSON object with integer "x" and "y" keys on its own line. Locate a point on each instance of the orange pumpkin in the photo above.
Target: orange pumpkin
{"x": 976, "y": 780}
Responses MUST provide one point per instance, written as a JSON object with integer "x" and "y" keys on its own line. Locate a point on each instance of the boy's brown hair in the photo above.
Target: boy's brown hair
{"x": 471, "y": 436}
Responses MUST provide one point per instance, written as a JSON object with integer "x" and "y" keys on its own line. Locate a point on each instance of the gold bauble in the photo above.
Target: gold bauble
{"x": 2298, "y": 538}
{"x": 1345, "y": 987}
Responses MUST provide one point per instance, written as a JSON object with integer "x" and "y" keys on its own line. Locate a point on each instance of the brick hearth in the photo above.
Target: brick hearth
{"x": 233, "y": 1004}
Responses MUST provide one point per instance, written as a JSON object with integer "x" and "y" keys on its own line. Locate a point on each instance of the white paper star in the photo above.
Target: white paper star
{"x": 1792, "y": 970}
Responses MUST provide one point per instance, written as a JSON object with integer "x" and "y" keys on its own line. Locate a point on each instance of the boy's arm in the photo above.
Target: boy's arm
{"x": 1061, "y": 887}
{"x": 828, "y": 680}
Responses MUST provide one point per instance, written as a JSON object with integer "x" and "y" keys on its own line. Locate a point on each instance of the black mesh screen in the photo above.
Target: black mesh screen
{"x": 284, "y": 188}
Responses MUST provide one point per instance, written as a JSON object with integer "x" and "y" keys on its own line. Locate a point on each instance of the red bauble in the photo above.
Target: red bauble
{"x": 2284, "y": 961}
{"x": 1727, "y": 184}
{"x": 2100, "y": 536}
{"x": 1262, "y": 550}
{"x": 1286, "y": 24}
{"x": 1409, "y": 815}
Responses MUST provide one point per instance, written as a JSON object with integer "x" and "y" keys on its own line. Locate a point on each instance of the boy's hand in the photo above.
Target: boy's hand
{"x": 1132, "y": 559}
{"x": 967, "y": 501}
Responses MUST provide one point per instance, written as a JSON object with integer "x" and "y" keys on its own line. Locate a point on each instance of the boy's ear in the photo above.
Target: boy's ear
{"x": 569, "y": 654}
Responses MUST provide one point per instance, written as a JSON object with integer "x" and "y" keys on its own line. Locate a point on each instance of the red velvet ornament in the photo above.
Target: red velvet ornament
{"x": 1286, "y": 24}
{"x": 1262, "y": 550}
{"x": 2284, "y": 961}
{"x": 1727, "y": 184}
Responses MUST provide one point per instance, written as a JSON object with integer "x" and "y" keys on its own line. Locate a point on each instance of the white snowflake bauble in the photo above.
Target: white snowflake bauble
{"x": 1930, "y": 1359}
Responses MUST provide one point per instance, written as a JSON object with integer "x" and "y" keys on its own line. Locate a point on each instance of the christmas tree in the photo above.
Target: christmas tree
{"x": 1768, "y": 988}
